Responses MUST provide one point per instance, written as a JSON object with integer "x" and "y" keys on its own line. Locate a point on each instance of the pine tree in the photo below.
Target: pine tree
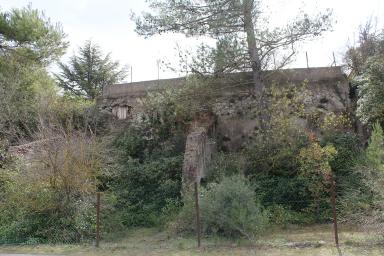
{"x": 241, "y": 19}
{"x": 89, "y": 71}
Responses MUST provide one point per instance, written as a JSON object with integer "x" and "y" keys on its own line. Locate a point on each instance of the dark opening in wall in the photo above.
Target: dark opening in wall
{"x": 226, "y": 138}
{"x": 324, "y": 100}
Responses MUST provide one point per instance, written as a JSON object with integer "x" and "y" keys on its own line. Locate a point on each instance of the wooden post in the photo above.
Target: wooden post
{"x": 97, "y": 219}
{"x": 158, "y": 71}
{"x": 198, "y": 230}
{"x": 131, "y": 74}
{"x": 306, "y": 56}
{"x": 333, "y": 202}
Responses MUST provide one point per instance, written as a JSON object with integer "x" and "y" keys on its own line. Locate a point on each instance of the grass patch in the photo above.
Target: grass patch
{"x": 306, "y": 241}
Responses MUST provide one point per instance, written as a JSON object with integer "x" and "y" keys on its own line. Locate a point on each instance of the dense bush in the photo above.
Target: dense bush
{"x": 51, "y": 199}
{"x": 23, "y": 223}
{"x": 289, "y": 192}
{"x": 348, "y": 150}
{"x": 273, "y": 166}
{"x": 352, "y": 193}
{"x": 370, "y": 87}
{"x": 145, "y": 190}
{"x": 224, "y": 165}
{"x": 229, "y": 208}
{"x": 373, "y": 170}
{"x": 283, "y": 215}
{"x": 147, "y": 176}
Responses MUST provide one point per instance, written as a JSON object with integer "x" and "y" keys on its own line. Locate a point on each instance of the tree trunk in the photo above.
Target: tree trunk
{"x": 252, "y": 46}
{"x": 249, "y": 29}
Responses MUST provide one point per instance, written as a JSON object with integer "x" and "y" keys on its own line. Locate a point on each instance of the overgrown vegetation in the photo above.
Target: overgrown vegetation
{"x": 229, "y": 208}
{"x": 47, "y": 195}
{"x": 51, "y": 199}
{"x": 281, "y": 176}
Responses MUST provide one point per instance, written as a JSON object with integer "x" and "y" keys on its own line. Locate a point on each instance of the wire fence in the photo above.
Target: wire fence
{"x": 83, "y": 224}
{"x": 78, "y": 223}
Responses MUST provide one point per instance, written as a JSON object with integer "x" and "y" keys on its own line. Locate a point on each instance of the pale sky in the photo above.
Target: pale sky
{"x": 107, "y": 23}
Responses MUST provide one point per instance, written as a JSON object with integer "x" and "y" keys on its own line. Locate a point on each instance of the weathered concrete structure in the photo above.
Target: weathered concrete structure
{"x": 326, "y": 90}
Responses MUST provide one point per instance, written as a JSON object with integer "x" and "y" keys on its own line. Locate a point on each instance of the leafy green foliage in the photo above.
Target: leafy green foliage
{"x": 370, "y": 87}
{"x": 375, "y": 150}
{"x": 147, "y": 180}
{"x": 366, "y": 64}
{"x": 227, "y": 21}
{"x": 274, "y": 148}
{"x": 288, "y": 192}
{"x": 73, "y": 112}
{"x": 228, "y": 208}
{"x": 144, "y": 190}
{"x": 367, "y": 201}
{"x": 282, "y": 216}
{"x": 21, "y": 85}
{"x": 29, "y": 42}
{"x": 314, "y": 159}
{"x": 89, "y": 71}
{"x": 225, "y": 165}
{"x": 177, "y": 107}
{"x": 282, "y": 163}
{"x": 29, "y": 33}
{"x": 370, "y": 44}
{"x": 352, "y": 192}
{"x": 50, "y": 200}
{"x": 348, "y": 147}
{"x": 315, "y": 168}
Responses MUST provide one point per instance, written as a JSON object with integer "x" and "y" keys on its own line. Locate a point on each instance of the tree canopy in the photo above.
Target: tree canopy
{"x": 370, "y": 43}
{"x": 28, "y": 32}
{"x": 89, "y": 71}
{"x": 366, "y": 64}
{"x": 28, "y": 42}
{"x": 235, "y": 21}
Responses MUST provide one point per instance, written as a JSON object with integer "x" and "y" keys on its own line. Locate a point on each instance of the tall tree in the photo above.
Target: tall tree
{"x": 366, "y": 64}
{"x": 238, "y": 18}
{"x": 370, "y": 86}
{"x": 370, "y": 43}
{"x": 30, "y": 34}
{"x": 28, "y": 43}
{"x": 89, "y": 71}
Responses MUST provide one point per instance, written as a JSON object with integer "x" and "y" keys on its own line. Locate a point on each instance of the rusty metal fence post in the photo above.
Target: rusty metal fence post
{"x": 333, "y": 201}
{"x": 97, "y": 219}
{"x": 198, "y": 229}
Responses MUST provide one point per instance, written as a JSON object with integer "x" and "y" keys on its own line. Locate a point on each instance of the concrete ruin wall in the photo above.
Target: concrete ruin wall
{"x": 326, "y": 90}
{"x": 198, "y": 153}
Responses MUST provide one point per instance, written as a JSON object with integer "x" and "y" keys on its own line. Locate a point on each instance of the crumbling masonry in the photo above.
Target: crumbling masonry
{"x": 326, "y": 90}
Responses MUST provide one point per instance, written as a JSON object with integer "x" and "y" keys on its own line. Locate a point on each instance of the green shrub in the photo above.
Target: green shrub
{"x": 289, "y": 192}
{"x": 348, "y": 150}
{"x": 34, "y": 212}
{"x": 147, "y": 177}
{"x": 224, "y": 165}
{"x": 373, "y": 171}
{"x": 228, "y": 208}
{"x": 353, "y": 193}
{"x": 130, "y": 144}
{"x": 144, "y": 190}
{"x": 51, "y": 199}
{"x": 74, "y": 224}
{"x": 281, "y": 215}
